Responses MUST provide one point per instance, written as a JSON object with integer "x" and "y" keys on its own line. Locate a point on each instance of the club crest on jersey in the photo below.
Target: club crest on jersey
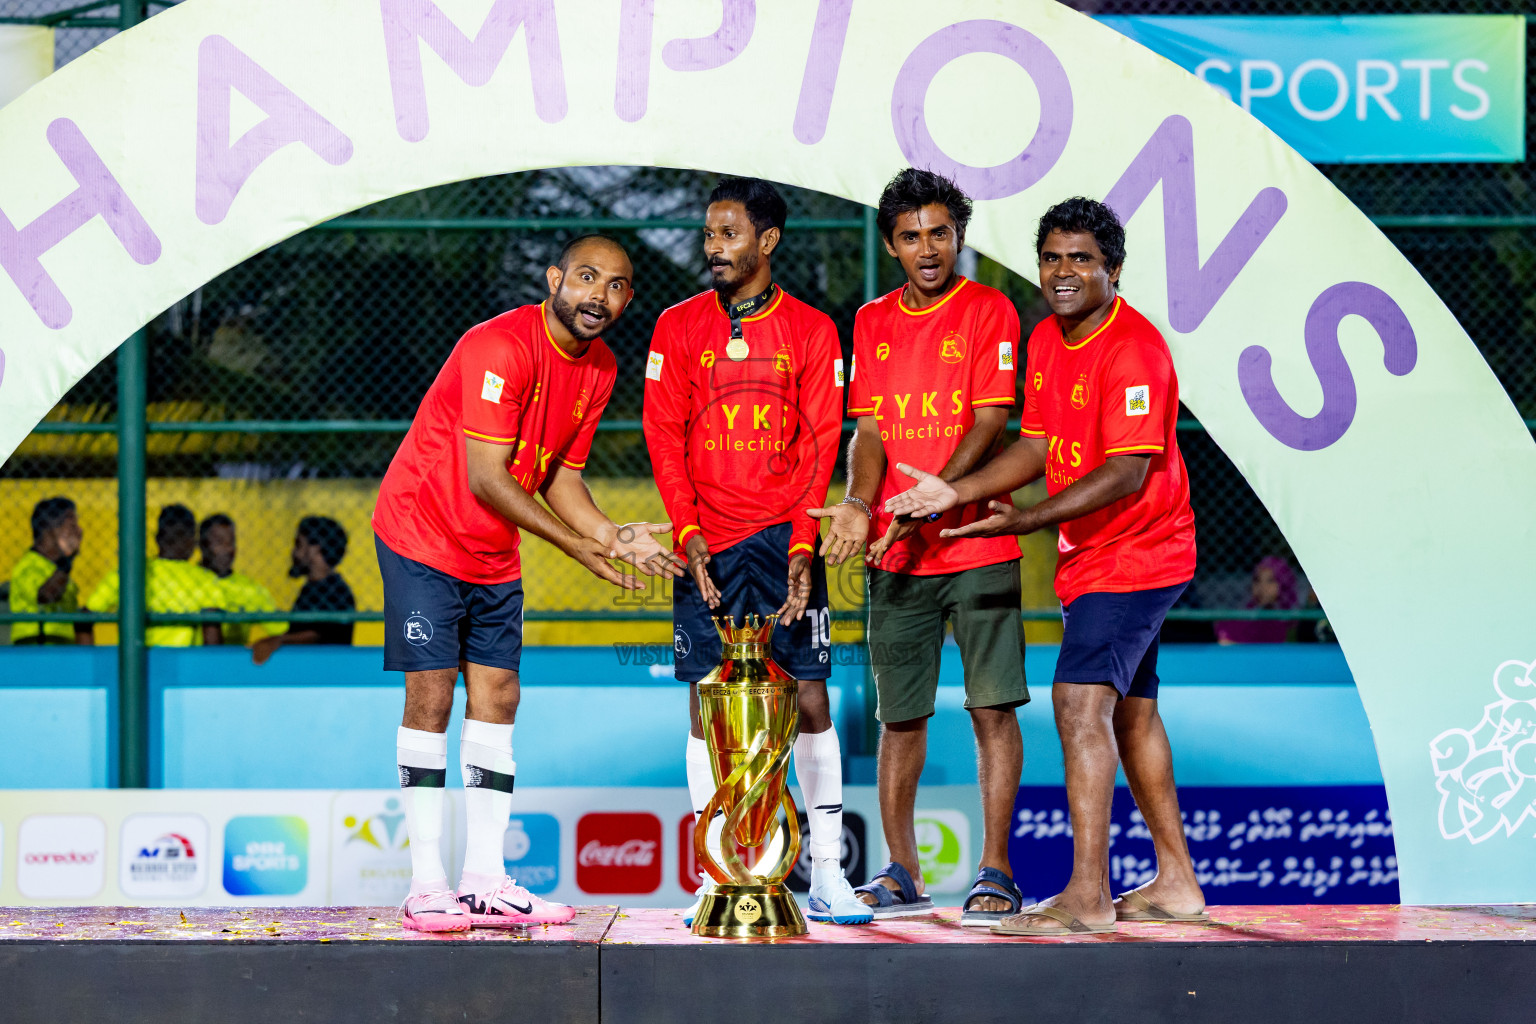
{"x": 783, "y": 362}
{"x": 579, "y": 409}
{"x": 1138, "y": 400}
{"x": 491, "y": 389}
{"x": 952, "y": 348}
{"x": 1005, "y": 355}
{"x": 707, "y": 358}
{"x": 653, "y": 365}
{"x": 882, "y": 351}
{"x": 1039, "y": 381}
{"x": 1080, "y": 392}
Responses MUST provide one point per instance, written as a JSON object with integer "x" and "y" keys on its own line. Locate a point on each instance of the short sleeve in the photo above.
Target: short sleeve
{"x": 1031, "y": 422}
{"x": 861, "y": 400}
{"x": 104, "y": 597}
{"x": 1133, "y": 404}
{"x": 575, "y": 454}
{"x": 994, "y": 353}
{"x": 496, "y": 376}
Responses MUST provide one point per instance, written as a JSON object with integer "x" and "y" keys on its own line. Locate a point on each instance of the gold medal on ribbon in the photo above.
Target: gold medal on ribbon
{"x": 737, "y": 349}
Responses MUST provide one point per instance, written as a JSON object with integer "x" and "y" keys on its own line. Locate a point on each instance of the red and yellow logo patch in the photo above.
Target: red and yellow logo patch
{"x": 580, "y": 408}
{"x": 783, "y": 362}
{"x": 882, "y": 351}
{"x": 707, "y": 358}
{"x": 952, "y": 348}
{"x": 1080, "y": 392}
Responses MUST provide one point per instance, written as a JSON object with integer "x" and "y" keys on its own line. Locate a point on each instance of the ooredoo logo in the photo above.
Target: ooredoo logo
{"x": 618, "y": 853}
{"x": 61, "y": 855}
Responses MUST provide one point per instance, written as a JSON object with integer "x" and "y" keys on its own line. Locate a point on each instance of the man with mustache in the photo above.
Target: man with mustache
{"x": 511, "y": 414}
{"x": 319, "y": 545}
{"x": 743, "y": 415}
{"x": 1101, "y": 402}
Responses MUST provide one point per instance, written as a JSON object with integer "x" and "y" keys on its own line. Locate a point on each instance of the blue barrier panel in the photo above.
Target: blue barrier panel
{"x": 325, "y": 718}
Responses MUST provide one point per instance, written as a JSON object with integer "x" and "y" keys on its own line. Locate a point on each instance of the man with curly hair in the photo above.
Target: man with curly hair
{"x": 1100, "y": 404}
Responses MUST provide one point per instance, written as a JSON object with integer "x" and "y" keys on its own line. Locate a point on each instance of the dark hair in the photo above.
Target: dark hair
{"x": 913, "y": 189}
{"x": 326, "y": 534}
{"x": 564, "y": 259}
{"x": 217, "y": 519}
{"x": 1092, "y": 216}
{"x": 176, "y": 521}
{"x": 765, "y": 207}
{"x": 48, "y": 513}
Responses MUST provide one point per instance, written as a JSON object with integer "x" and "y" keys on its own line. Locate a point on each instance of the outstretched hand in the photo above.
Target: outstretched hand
{"x": 636, "y": 544}
{"x": 594, "y": 554}
{"x": 931, "y": 495}
{"x": 1004, "y": 520}
{"x": 898, "y": 529}
{"x": 848, "y": 530}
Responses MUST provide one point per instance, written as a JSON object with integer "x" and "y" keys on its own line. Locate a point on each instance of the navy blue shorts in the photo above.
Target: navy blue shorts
{"x": 434, "y": 620}
{"x": 753, "y": 577}
{"x": 1112, "y": 638}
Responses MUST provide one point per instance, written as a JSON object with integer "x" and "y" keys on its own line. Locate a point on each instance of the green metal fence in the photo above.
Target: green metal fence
{"x": 282, "y": 387}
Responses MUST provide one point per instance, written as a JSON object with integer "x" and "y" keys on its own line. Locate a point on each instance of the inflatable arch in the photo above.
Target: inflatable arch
{"x": 1319, "y": 360}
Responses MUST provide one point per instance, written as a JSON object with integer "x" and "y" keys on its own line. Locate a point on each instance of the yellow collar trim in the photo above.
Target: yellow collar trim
{"x": 901, "y": 305}
{"x": 1114, "y": 311}
{"x": 562, "y": 353}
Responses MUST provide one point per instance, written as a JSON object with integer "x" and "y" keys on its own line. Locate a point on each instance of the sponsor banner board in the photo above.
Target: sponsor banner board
{"x": 1250, "y": 844}
{"x": 1363, "y": 89}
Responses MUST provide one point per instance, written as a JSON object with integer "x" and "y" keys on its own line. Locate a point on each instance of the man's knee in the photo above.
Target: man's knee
{"x": 1083, "y": 705}
{"x": 815, "y": 706}
{"x": 429, "y": 699}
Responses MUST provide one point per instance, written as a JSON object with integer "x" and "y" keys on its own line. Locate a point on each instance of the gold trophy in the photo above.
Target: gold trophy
{"x": 750, "y": 711}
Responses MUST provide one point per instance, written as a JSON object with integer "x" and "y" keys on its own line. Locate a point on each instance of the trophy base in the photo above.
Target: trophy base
{"x": 749, "y": 912}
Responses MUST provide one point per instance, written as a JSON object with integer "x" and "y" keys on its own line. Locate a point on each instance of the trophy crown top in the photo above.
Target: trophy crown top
{"x": 754, "y": 629}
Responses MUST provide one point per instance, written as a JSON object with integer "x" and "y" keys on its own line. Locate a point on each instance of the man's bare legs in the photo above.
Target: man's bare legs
{"x": 1085, "y": 719}
{"x": 903, "y": 750}
{"x": 1148, "y": 762}
{"x": 492, "y": 695}
{"x": 999, "y": 764}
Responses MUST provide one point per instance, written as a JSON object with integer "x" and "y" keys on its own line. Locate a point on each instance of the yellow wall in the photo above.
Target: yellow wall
{"x": 266, "y": 513}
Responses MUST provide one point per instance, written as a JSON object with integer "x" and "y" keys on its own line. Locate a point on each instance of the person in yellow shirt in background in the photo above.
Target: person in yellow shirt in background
{"x": 40, "y": 582}
{"x": 216, "y": 541}
{"x": 174, "y": 585}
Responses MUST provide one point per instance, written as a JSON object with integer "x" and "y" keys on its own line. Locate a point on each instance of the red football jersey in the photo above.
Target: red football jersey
{"x": 1113, "y": 393}
{"x": 506, "y": 382}
{"x": 741, "y": 445}
{"x": 922, "y": 373}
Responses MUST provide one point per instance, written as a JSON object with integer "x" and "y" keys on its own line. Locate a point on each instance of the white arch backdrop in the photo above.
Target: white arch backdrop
{"x": 1324, "y": 366}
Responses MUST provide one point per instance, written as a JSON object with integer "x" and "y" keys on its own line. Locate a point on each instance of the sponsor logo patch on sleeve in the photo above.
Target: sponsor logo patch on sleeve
{"x": 653, "y": 366}
{"x": 837, "y": 372}
{"x": 491, "y": 389}
{"x": 1138, "y": 400}
{"x": 1005, "y": 355}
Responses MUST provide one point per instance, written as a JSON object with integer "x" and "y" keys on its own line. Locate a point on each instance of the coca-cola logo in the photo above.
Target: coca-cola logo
{"x": 71, "y": 857}
{"x": 618, "y": 853}
{"x": 635, "y": 853}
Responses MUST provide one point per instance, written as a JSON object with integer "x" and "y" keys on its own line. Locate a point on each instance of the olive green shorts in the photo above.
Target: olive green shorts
{"x": 906, "y": 632}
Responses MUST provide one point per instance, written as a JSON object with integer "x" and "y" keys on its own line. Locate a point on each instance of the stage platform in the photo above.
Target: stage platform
{"x": 1253, "y": 964}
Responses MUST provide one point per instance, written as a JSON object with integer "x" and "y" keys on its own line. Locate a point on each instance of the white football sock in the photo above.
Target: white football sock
{"x": 485, "y": 749}
{"x": 819, "y": 770}
{"x": 701, "y": 786}
{"x": 422, "y": 758}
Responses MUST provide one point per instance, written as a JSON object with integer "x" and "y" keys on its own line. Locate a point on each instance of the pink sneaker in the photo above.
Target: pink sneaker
{"x": 510, "y": 905}
{"x": 434, "y": 911}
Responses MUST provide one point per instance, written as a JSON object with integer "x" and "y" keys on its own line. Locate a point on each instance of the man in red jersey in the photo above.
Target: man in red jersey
{"x": 1100, "y": 404}
{"x": 932, "y": 381}
{"x": 510, "y": 415}
{"x": 743, "y": 415}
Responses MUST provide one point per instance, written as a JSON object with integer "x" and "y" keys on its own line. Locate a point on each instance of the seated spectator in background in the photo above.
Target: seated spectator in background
{"x": 173, "y": 585}
{"x": 40, "y": 582}
{"x": 1273, "y": 589}
{"x": 318, "y": 546}
{"x": 216, "y": 541}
